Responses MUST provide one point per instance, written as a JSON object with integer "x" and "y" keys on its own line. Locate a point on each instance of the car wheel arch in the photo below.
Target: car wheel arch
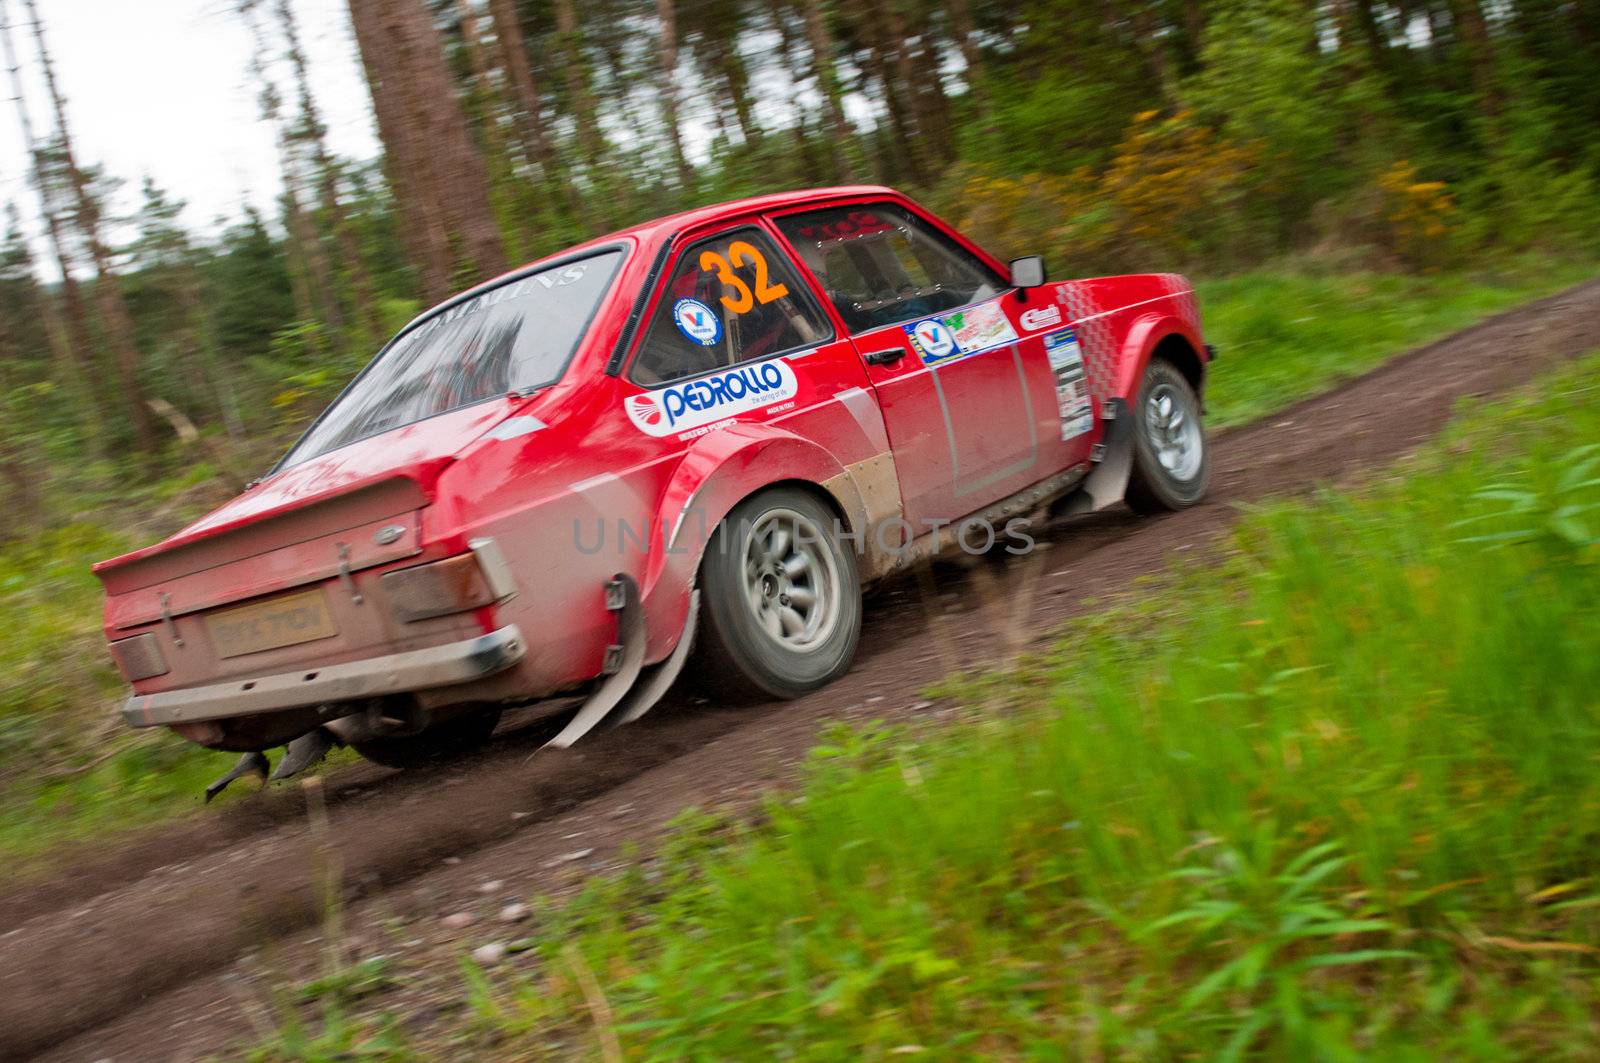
{"x": 717, "y": 473}
{"x": 1159, "y": 336}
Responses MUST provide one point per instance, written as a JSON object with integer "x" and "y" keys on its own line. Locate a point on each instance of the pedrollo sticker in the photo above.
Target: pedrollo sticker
{"x": 680, "y": 407}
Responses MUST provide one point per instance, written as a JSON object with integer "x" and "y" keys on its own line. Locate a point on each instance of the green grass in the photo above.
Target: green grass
{"x": 58, "y": 693}
{"x": 69, "y": 772}
{"x": 69, "y": 769}
{"x": 1283, "y": 335}
{"x": 1337, "y": 795}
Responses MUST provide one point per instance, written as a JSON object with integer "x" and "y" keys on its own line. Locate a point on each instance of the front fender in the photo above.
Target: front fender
{"x": 718, "y": 471}
{"x": 1144, "y": 336}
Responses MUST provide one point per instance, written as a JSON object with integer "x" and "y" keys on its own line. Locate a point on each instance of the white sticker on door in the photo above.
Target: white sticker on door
{"x": 679, "y": 407}
{"x": 1072, "y": 395}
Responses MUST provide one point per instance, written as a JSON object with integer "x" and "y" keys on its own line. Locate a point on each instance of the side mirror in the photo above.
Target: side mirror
{"x": 1027, "y": 272}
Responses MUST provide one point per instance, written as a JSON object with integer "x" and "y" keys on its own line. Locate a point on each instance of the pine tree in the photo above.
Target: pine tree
{"x": 436, "y": 169}
{"x": 109, "y": 304}
{"x": 310, "y": 132}
{"x": 70, "y": 336}
{"x": 667, "y": 81}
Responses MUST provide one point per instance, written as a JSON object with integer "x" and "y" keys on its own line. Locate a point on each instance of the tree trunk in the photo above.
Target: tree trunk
{"x": 584, "y": 111}
{"x": 889, "y": 61}
{"x": 828, "y": 80}
{"x": 311, "y": 278}
{"x": 529, "y": 105}
{"x": 1371, "y": 34}
{"x": 666, "y": 14}
{"x": 202, "y": 322}
{"x": 919, "y": 87}
{"x": 520, "y": 222}
{"x": 24, "y": 502}
{"x": 351, "y": 261}
{"x": 112, "y": 309}
{"x": 801, "y": 164}
{"x": 896, "y": 152}
{"x": 422, "y": 229}
{"x": 736, "y": 80}
{"x": 71, "y": 340}
{"x": 1472, "y": 32}
{"x": 1152, "y": 46}
{"x": 966, "y": 33}
{"x": 437, "y": 171}
{"x": 322, "y": 299}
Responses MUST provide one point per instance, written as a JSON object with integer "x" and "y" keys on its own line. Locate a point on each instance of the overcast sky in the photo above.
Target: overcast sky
{"x": 161, "y": 87}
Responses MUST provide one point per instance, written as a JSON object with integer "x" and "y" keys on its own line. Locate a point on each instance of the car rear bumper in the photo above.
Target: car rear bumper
{"x": 436, "y": 666}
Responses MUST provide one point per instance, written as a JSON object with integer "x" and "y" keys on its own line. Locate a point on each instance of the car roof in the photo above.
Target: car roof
{"x": 733, "y": 208}
{"x": 649, "y": 232}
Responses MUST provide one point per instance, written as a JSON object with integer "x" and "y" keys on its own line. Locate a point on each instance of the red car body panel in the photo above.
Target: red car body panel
{"x": 573, "y": 491}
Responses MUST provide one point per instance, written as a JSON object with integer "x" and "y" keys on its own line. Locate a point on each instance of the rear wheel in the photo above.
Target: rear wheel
{"x": 443, "y": 741}
{"x": 1171, "y": 457}
{"x": 782, "y": 599}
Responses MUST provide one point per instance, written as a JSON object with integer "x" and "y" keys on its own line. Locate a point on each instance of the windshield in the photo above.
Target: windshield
{"x": 510, "y": 338}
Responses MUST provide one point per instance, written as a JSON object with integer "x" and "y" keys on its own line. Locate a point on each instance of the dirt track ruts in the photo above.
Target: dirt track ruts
{"x": 131, "y": 954}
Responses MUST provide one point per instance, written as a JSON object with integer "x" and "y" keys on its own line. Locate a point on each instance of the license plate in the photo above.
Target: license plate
{"x": 286, "y": 621}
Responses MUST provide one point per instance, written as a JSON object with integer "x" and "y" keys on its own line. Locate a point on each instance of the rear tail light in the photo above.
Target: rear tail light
{"x": 453, "y": 585}
{"x": 139, "y": 657}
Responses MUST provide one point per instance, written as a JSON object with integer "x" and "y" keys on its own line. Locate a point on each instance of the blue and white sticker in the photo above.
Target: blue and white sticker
{"x": 1064, "y": 352}
{"x": 932, "y": 339}
{"x": 1072, "y": 391}
{"x": 678, "y": 408}
{"x": 697, "y": 321}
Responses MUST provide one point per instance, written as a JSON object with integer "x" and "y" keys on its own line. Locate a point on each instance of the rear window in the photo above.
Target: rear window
{"x": 516, "y": 336}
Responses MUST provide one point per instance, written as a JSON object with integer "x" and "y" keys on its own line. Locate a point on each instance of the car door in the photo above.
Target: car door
{"x": 737, "y": 337}
{"x": 968, "y": 403}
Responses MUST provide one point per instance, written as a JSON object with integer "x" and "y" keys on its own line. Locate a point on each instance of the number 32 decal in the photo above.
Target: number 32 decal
{"x": 741, "y": 298}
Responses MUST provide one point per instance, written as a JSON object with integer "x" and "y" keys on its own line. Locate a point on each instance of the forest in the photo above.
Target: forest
{"x": 1167, "y": 134}
{"x": 1369, "y": 161}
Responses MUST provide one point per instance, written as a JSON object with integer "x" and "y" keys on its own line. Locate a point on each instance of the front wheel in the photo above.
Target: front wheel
{"x": 782, "y": 597}
{"x": 1171, "y": 457}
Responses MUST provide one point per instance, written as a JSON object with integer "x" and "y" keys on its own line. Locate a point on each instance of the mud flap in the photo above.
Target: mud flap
{"x": 305, "y": 751}
{"x": 1108, "y": 483}
{"x": 660, "y": 677}
{"x": 254, "y": 763}
{"x": 624, "y": 661}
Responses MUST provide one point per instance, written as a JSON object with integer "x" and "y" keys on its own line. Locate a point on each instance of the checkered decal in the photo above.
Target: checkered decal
{"x": 1094, "y": 337}
{"x": 1183, "y": 298}
{"x": 1094, "y": 331}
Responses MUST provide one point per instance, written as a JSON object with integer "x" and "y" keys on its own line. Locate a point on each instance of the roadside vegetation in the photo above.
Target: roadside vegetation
{"x": 1285, "y": 334}
{"x": 1334, "y": 795}
{"x": 72, "y": 771}
{"x": 1344, "y": 181}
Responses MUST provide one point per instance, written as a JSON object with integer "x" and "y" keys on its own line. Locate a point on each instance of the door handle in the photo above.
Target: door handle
{"x": 886, "y": 357}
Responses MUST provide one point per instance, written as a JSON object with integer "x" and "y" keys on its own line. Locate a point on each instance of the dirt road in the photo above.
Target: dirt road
{"x": 159, "y": 949}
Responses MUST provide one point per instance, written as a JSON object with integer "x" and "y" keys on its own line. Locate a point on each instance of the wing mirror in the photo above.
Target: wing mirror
{"x": 1027, "y": 272}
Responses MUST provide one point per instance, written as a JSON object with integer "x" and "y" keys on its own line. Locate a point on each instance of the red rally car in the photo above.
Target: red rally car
{"x": 704, "y": 433}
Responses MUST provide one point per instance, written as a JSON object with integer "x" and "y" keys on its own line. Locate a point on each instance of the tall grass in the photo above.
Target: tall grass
{"x": 1338, "y": 795}
{"x": 68, "y": 767}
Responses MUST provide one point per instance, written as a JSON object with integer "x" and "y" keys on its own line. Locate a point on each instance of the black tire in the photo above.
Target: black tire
{"x": 452, "y": 738}
{"x": 1157, "y": 486}
{"x": 739, "y": 657}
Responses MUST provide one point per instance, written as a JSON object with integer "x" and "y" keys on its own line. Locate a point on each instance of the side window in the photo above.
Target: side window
{"x": 733, "y": 298}
{"x": 882, "y": 265}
